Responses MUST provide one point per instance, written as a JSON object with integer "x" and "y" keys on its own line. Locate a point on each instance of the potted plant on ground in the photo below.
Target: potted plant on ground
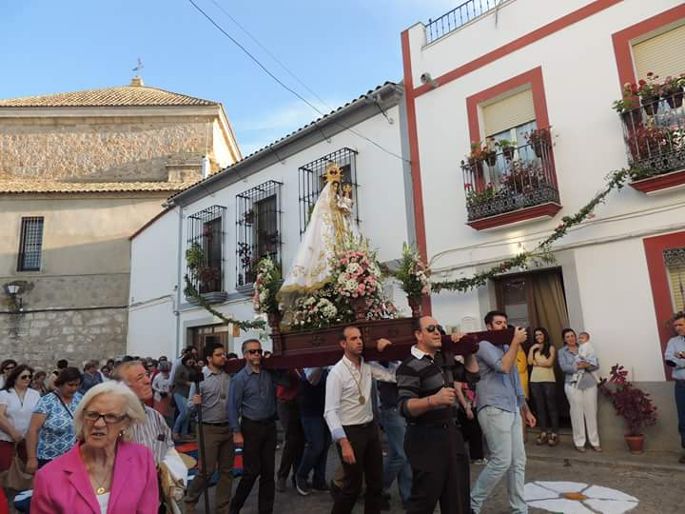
{"x": 539, "y": 139}
{"x": 628, "y": 107}
{"x": 631, "y": 403}
{"x": 649, "y": 91}
{"x": 672, "y": 91}
{"x": 508, "y": 148}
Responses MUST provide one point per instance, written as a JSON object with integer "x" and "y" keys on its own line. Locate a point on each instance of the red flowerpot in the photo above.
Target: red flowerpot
{"x": 636, "y": 443}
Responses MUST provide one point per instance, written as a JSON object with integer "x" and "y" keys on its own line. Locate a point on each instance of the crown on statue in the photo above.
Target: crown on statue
{"x": 333, "y": 173}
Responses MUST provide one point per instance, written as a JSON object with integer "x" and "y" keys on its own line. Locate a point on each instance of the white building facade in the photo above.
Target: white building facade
{"x": 260, "y": 206}
{"x": 503, "y": 70}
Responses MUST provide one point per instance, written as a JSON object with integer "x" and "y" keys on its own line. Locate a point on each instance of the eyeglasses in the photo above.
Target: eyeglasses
{"x": 433, "y": 328}
{"x": 8, "y": 368}
{"x": 258, "y": 351}
{"x": 110, "y": 419}
{"x": 26, "y": 377}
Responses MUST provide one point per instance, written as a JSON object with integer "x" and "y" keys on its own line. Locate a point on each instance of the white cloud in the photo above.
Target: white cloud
{"x": 266, "y": 127}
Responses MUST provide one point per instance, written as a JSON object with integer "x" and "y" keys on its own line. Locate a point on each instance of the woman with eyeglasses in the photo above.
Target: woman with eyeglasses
{"x": 181, "y": 390}
{"x": 17, "y": 401}
{"x": 6, "y": 367}
{"x": 51, "y": 432}
{"x": 104, "y": 472}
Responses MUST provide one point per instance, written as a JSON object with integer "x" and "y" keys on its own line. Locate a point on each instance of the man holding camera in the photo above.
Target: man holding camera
{"x": 212, "y": 398}
{"x": 502, "y": 407}
{"x": 675, "y": 356}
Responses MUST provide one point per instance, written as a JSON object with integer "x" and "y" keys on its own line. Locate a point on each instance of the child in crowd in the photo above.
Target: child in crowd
{"x": 586, "y": 353}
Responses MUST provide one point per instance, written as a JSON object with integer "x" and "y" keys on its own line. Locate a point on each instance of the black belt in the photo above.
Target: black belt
{"x": 437, "y": 424}
{"x": 260, "y": 421}
{"x": 224, "y": 424}
{"x": 362, "y": 425}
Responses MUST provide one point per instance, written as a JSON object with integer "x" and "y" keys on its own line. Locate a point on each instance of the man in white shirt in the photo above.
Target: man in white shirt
{"x": 349, "y": 415}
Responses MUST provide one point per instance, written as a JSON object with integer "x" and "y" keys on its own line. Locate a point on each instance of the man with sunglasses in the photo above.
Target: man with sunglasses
{"x": 433, "y": 443}
{"x": 502, "y": 408}
{"x": 252, "y": 417}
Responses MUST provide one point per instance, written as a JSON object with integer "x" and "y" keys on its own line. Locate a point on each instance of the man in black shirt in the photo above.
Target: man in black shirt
{"x": 434, "y": 444}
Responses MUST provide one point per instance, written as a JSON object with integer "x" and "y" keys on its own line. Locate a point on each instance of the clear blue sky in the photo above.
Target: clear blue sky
{"x": 339, "y": 49}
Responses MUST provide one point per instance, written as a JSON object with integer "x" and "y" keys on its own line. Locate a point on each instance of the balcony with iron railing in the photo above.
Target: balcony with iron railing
{"x": 654, "y": 134}
{"x": 507, "y": 184}
{"x": 458, "y": 17}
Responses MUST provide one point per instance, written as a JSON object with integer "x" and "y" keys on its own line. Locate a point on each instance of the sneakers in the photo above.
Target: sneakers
{"x": 480, "y": 462}
{"x": 302, "y": 486}
{"x": 597, "y": 449}
{"x": 541, "y": 439}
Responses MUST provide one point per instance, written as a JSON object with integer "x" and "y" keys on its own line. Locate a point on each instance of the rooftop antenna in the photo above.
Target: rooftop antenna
{"x": 137, "y": 80}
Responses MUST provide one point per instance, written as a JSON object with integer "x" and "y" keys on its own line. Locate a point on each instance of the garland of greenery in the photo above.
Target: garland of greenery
{"x": 615, "y": 180}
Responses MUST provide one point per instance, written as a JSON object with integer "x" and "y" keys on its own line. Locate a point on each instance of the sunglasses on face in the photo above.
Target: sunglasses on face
{"x": 110, "y": 419}
{"x": 26, "y": 377}
{"x": 258, "y": 351}
{"x": 8, "y": 368}
{"x": 433, "y": 328}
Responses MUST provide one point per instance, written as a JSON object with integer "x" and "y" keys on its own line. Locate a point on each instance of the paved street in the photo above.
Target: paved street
{"x": 655, "y": 480}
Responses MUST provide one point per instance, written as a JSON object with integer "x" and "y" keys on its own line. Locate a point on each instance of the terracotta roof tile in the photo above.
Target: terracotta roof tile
{"x": 124, "y": 96}
{"x": 44, "y": 186}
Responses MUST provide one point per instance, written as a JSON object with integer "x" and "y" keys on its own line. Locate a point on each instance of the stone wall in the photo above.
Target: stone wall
{"x": 100, "y": 149}
{"x": 41, "y": 338}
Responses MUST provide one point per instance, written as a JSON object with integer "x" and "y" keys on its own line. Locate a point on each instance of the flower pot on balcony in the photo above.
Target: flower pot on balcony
{"x": 491, "y": 158}
{"x": 636, "y": 443}
{"x": 650, "y": 104}
{"x": 674, "y": 98}
{"x": 508, "y": 152}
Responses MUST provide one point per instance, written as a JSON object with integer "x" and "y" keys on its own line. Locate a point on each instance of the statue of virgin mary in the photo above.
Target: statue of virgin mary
{"x": 331, "y": 224}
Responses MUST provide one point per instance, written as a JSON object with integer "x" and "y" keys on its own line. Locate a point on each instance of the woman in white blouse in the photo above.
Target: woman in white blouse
{"x": 17, "y": 401}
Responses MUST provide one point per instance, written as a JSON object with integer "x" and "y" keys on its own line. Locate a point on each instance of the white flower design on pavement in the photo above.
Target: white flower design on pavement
{"x": 577, "y": 498}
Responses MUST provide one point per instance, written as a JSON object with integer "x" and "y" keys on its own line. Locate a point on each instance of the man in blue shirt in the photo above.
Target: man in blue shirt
{"x": 501, "y": 407}
{"x": 252, "y": 417}
{"x": 675, "y": 356}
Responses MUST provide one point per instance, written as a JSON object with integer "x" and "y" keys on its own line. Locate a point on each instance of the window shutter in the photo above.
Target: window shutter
{"x": 508, "y": 112}
{"x": 675, "y": 268}
{"x": 663, "y": 55}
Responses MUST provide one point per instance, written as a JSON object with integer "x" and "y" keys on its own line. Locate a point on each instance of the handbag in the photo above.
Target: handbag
{"x": 16, "y": 476}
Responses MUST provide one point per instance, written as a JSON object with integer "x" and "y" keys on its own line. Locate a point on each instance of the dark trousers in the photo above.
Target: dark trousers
{"x": 472, "y": 434}
{"x": 289, "y": 414}
{"x": 368, "y": 454}
{"x": 318, "y": 439}
{"x": 259, "y": 454}
{"x": 547, "y": 412}
{"x": 680, "y": 406}
{"x": 440, "y": 469}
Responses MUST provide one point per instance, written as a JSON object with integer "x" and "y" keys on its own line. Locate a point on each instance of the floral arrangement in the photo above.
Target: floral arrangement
{"x": 485, "y": 151}
{"x": 356, "y": 273}
{"x": 630, "y": 402}
{"x": 413, "y": 273}
{"x": 318, "y": 310}
{"x": 650, "y": 89}
{"x": 266, "y": 285}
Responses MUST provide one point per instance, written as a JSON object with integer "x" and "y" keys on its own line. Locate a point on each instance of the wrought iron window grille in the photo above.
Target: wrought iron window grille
{"x": 258, "y": 229}
{"x": 30, "y": 244}
{"x": 312, "y": 181}
{"x": 206, "y": 236}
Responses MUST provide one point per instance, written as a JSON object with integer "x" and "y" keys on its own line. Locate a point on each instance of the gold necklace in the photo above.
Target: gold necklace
{"x": 362, "y": 400}
{"x": 101, "y": 489}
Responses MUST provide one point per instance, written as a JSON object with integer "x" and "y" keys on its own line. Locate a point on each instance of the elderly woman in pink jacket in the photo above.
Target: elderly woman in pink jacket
{"x": 103, "y": 473}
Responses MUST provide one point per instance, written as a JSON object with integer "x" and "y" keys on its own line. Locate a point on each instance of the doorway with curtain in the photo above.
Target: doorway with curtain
{"x": 537, "y": 299}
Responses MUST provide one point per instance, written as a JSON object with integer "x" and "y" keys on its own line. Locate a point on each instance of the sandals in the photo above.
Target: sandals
{"x": 553, "y": 439}
{"x": 541, "y": 439}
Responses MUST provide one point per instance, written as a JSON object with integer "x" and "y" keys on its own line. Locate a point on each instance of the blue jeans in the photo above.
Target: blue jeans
{"x": 504, "y": 434}
{"x": 317, "y": 440}
{"x": 182, "y": 423}
{"x": 396, "y": 464}
{"x": 680, "y": 406}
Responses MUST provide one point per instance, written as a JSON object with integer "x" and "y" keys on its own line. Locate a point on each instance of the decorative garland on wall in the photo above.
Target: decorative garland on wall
{"x": 615, "y": 180}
